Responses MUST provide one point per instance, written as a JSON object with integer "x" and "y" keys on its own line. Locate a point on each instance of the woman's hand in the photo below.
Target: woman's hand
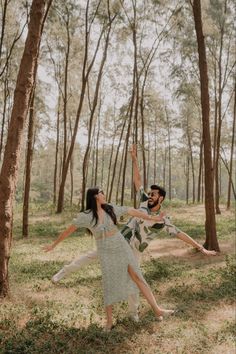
{"x": 48, "y": 248}
{"x": 60, "y": 238}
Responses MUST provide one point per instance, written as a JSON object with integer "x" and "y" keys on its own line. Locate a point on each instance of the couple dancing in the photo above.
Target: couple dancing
{"x": 121, "y": 275}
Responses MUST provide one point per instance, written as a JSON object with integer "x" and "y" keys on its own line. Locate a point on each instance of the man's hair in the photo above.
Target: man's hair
{"x": 160, "y": 189}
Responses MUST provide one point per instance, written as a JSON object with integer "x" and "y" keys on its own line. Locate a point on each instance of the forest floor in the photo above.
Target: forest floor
{"x": 67, "y": 318}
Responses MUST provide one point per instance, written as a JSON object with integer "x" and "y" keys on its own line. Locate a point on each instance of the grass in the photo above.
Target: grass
{"x": 67, "y": 318}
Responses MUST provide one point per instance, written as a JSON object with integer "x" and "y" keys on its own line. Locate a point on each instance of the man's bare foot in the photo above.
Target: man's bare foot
{"x": 165, "y": 313}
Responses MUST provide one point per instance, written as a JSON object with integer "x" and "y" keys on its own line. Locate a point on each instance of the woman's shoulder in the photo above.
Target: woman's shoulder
{"x": 83, "y": 218}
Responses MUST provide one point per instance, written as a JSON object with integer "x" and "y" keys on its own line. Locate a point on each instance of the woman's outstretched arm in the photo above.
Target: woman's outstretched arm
{"x": 60, "y": 238}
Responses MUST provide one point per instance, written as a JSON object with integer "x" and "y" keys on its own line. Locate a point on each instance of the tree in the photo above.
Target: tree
{"x": 22, "y": 98}
{"x": 210, "y": 224}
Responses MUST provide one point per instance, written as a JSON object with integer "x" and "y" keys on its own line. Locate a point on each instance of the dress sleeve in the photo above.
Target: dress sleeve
{"x": 120, "y": 210}
{"x": 82, "y": 220}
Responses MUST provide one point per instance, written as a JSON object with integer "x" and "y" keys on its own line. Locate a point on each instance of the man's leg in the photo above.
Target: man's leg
{"x": 133, "y": 300}
{"x": 133, "y": 303}
{"x": 75, "y": 265}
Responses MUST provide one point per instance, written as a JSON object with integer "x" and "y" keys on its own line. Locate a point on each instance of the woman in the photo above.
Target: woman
{"x": 121, "y": 275}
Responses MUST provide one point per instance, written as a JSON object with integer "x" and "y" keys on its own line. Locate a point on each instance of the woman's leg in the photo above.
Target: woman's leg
{"x": 147, "y": 293}
{"x": 108, "y": 310}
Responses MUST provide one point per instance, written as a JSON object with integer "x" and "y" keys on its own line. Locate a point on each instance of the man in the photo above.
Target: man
{"x": 144, "y": 233}
{"x": 137, "y": 232}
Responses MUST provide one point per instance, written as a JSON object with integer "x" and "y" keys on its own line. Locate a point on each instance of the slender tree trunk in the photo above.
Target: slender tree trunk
{"x": 220, "y": 95}
{"x": 97, "y": 154}
{"x": 192, "y": 164}
{"x": 120, "y": 174}
{"x": 231, "y": 152}
{"x": 110, "y": 163}
{"x": 9, "y": 170}
{"x": 169, "y": 154}
{"x": 200, "y": 172}
{"x": 164, "y": 167}
{"x": 143, "y": 133}
{"x": 71, "y": 181}
{"x": 93, "y": 153}
{"x": 210, "y": 225}
{"x": 3, "y": 26}
{"x": 56, "y": 153}
{"x": 29, "y": 159}
{"x": 155, "y": 155}
{"x": 5, "y": 98}
{"x": 215, "y": 121}
{"x": 187, "y": 179}
{"x": 115, "y": 161}
{"x": 92, "y": 115}
{"x": 85, "y": 75}
{"x": 125, "y": 161}
{"x": 148, "y": 157}
{"x": 103, "y": 160}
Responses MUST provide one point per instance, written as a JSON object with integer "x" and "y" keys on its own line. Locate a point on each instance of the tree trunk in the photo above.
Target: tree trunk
{"x": 56, "y": 153}
{"x": 5, "y": 97}
{"x": 143, "y": 134}
{"x": 103, "y": 160}
{"x": 200, "y": 172}
{"x": 210, "y": 224}
{"x": 84, "y": 80}
{"x": 187, "y": 179}
{"x": 169, "y": 154}
{"x": 92, "y": 115}
{"x": 119, "y": 175}
{"x": 110, "y": 163}
{"x": 9, "y": 170}
{"x": 231, "y": 152}
{"x": 192, "y": 163}
{"x": 28, "y": 165}
{"x": 115, "y": 162}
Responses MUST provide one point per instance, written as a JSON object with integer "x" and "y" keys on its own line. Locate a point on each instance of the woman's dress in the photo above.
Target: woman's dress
{"x": 115, "y": 256}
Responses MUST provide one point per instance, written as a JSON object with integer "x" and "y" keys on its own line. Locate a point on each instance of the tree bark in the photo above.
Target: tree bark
{"x": 56, "y": 152}
{"x": 231, "y": 152}
{"x": 28, "y": 165}
{"x": 9, "y": 170}
{"x": 5, "y": 97}
{"x": 210, "y": 224}
{"x": 169, "y": 154}
{"x": 192, "y": 163}
{"x": 115, "y": 161}
{"x": 200, "y": 172}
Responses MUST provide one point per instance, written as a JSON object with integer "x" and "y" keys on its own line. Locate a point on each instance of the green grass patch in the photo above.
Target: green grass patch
{"x": 68, "y": 317}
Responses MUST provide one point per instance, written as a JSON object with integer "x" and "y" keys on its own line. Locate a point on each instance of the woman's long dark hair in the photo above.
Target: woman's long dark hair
{"x": 91, "y": 205}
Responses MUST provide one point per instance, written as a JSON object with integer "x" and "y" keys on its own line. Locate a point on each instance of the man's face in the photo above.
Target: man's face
{"x": 153, "y": 198}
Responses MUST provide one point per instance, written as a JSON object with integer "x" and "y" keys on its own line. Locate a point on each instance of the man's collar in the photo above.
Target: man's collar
{"x": 155, "y": 211}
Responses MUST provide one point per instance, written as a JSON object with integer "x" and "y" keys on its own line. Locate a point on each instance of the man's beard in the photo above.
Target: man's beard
{"x": 153, "y": 204}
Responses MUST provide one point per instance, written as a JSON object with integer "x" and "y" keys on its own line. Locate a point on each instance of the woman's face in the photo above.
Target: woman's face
{"x": 101, "y": 197}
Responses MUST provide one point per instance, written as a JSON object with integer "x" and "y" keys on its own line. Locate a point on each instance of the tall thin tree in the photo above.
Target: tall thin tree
{"x": 210, "y": 225}
{"x": 9, "y": 170}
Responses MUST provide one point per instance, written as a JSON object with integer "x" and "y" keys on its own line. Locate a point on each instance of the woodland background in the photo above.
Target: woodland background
{"x": 81, "y": 81}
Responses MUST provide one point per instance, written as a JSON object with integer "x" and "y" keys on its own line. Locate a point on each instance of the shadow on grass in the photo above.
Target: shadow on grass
{"x": 43, "y": 335}
{"x": 38, "y": 270}
{"x": 213, "y": 286}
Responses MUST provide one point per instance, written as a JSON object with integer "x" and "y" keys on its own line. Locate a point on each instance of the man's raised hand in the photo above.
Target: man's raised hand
{"x": 133, "y": 151}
